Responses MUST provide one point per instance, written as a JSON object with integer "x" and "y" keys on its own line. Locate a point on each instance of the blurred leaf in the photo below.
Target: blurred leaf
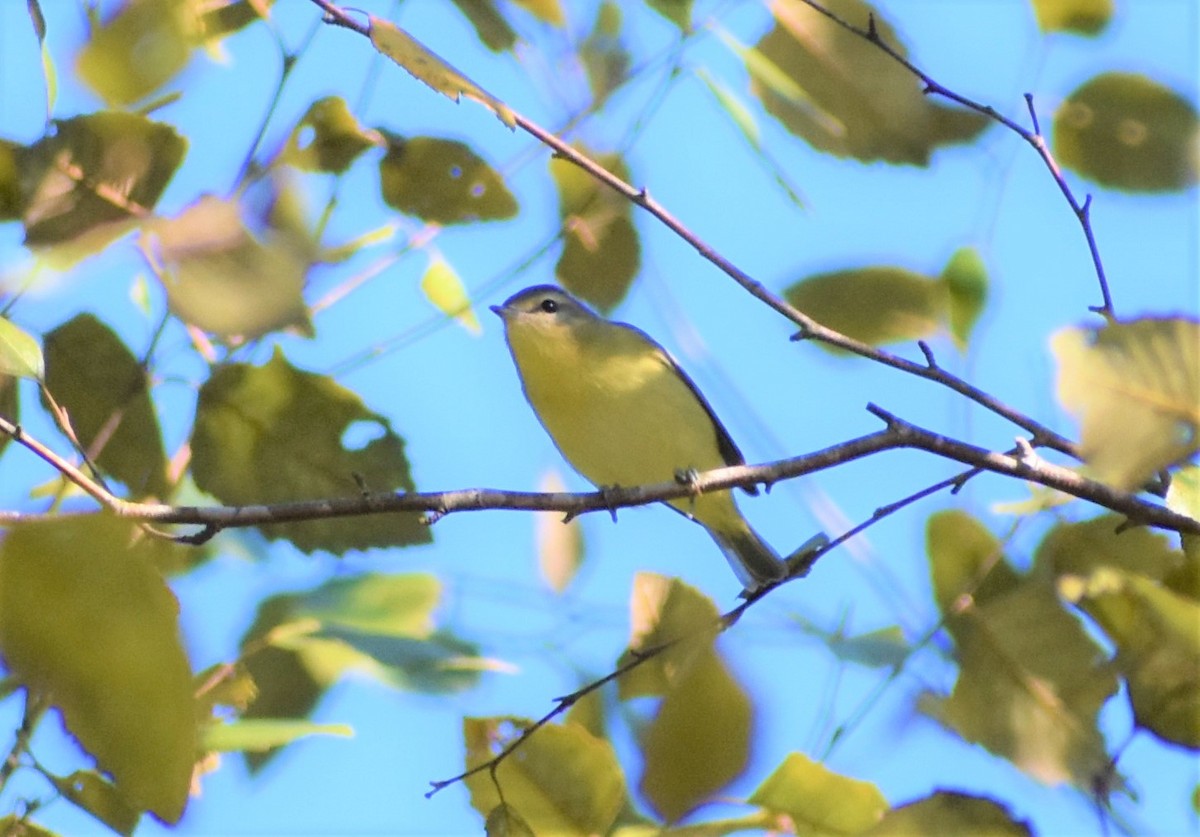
{"x": 504, "y": 821}
{"x": 106, "y": 393}
{"x": 491, "y": 27}
{"x": 10, "y": 407}
{"x": 734, "y": 106}
{"x": 1081, "y": 548}
{"x": 875, "y": 305}
{"x": 1136, "y": 389}
{"x": 563, "y": 780}
{"x": 966, "y": 280}
{"x": 388, "y": 605}
{"x": 678, "y": 12}
{"x": 559, "y": 544}
{"x": 856, "y": 101}
{"x": 438, "y": 664}
{"x": 264, "y": 734}
{"x": 13, "y": 826}
{"x": 603, "y": 54}
{"x": 99, "y": 797}
{"x": 232, "y": 16}
{"x": 139, "y": 49}
{"x": 549, "y": 11}
{"x": 442, "y": 181}
{"x": 328, "y": 138}
{"x": 286, "y": 689}
{"x": 1183, "y": 496}
{"x": 884, "y": 648}
{"x": 237, "y": 272}
{"x": 1126, "y": 131}
{"x": 1031, "y": 681}
{"x": 665, "y": 610}
{"x": 223, "y": 684}
{"x": 87, "y": 621}
{"x": 11, "y": 154}
{"x": 445, "y": 290}
{"x": 274, "y": 434}
{"x": 20, "y": 354}
{"x": 948, "y": 812}
{"x": 1084, "y": 17}
{"x": 1157, "y": 634}
{"x": 602, "y": 253}
{"x": 589, "y": 712}
{"x": 426, "y": 66}
{"x": 818, "y": 800}
{"x": 37, "y": 19}
{"x": 93, "y": 172}
{"x": 699, "y": 741}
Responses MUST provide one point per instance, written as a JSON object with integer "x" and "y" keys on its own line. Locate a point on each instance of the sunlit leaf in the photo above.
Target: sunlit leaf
{"x": 234, "y": 270}
{"x": 1184, "y": 494}
{"x": 232, "y": 16}
{"x": 444, "y": 288}
{"x": 442, "y": 181}
{"x": 818, "y": 800}
{"x": 504, "y": 821}
{"x": 856, "y": 101}
{"x": 375, "y": 603}
{"x": 328, "y": 138}
{"x": 966, "y": 280}
{"x": 95, "y": 171}
{"x": 1136, "y": 389}
{"x": 602, "y": 253}
{"x": 1031, "y": 681}
{"x": 20, "y": 354}
{"x": 87, "y": 621}
{"x": 699, "y": 740}
{"x": 223, "y": 684}
{"x": 665, "y": 611}
{"x": 1126, "y": 131}
{"x": 273, "y": 434}
{"x": 948, "y": 812}
{"x": 22, "y": 826}
{"x": 559, "y": 544}
{"x": 1157, "y": 634}
{"x": 1081, "y": 548}
{"x": 264, "y": 734}
{"x": 549, "y": 11}
{"x": 426, "y": 66}
{"x": 1085, "y": 17}
{"x": 142, "y": 47}
{"x": 106, "y": 393}
{"x": 99, "y": 797}
{"x": 875, "y": 305}
{"x": 563, "y": 780}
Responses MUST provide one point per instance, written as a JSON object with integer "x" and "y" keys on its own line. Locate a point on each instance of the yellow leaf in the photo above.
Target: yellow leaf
{"x": 443, "y": 287}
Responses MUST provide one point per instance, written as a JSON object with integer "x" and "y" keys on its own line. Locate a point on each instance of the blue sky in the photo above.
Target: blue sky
{"x": 455, "y": 399}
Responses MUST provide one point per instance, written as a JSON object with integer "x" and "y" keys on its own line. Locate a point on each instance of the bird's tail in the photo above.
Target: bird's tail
{"x": 751, "y": 558}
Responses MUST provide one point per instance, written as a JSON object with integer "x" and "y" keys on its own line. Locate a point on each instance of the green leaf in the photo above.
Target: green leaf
{"x": 875, "y": 305}
{"x": 95, "y": 173}
{"x": 603, "y": 53}
{"x": 966, "y": 280}
{"x": 106, "y": 393}
{"x": 948, "y": 812}
{"x": 328, "y": 138}
{"x": 562, "y": 780}
{"x": 662, "y": 611}
{"x": 99, "y": 797}
{"x": 231, "y": 16}
{"x": 734, "y": 106}
{"x": 560, "y": 548}
{"x": 442, "y": 181}
{"x": 21, "y": 826}
{"x": 843, "y": 95}
{"x": 699, "y": 741}
{"x": 87, "y": 621}
{"x": 286, "y": 689}
{"x": 263, "y": 734}
{"x": 504, "y": 821}
{"x": 1081, "y": 548}
{"x": 274, "y": 434}
{"x": 602, "y": 252}
{"x": 10, "y": 407}
{"x": 1183, "y": 496}
{"x": 1031, "y": 680}
{"x": 11, "y": 154}
{"x": 137, "y": 51}
{"x": 1157, "y": 634}
{"x": 20, "y": 354}
{"x": 1129, "y": 132}
{"x": 444, "y": 288}
{"x": 237, "y": 272}
{"x": 818, "y": 800}
{"x": 678, "y": 12}
{"x": 491, "y": 27}
{"x": 1136, "y": 389}
{"x": 1084, "y": 17}
{"x": 426, "y": 66}
{"x": 549, "y": 11}
{"x": 438, "y": 664}
{"x": 388, "y": 605}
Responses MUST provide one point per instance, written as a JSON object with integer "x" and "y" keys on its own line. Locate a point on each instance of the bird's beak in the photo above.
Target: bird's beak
{"x": 499, "y": 310}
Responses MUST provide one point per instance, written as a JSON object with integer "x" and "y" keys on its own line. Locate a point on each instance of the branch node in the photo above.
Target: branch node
{"x": 930, "y": 360}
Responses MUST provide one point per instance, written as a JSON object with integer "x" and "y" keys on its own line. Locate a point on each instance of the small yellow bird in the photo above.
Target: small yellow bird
{"x": 622, "y": 412}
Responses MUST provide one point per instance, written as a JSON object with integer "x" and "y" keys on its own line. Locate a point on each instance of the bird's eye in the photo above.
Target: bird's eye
{"x": 549, "y": 306}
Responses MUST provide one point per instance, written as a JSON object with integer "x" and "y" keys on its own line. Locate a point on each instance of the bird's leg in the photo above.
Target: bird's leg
{"x": 689, "y": 477}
